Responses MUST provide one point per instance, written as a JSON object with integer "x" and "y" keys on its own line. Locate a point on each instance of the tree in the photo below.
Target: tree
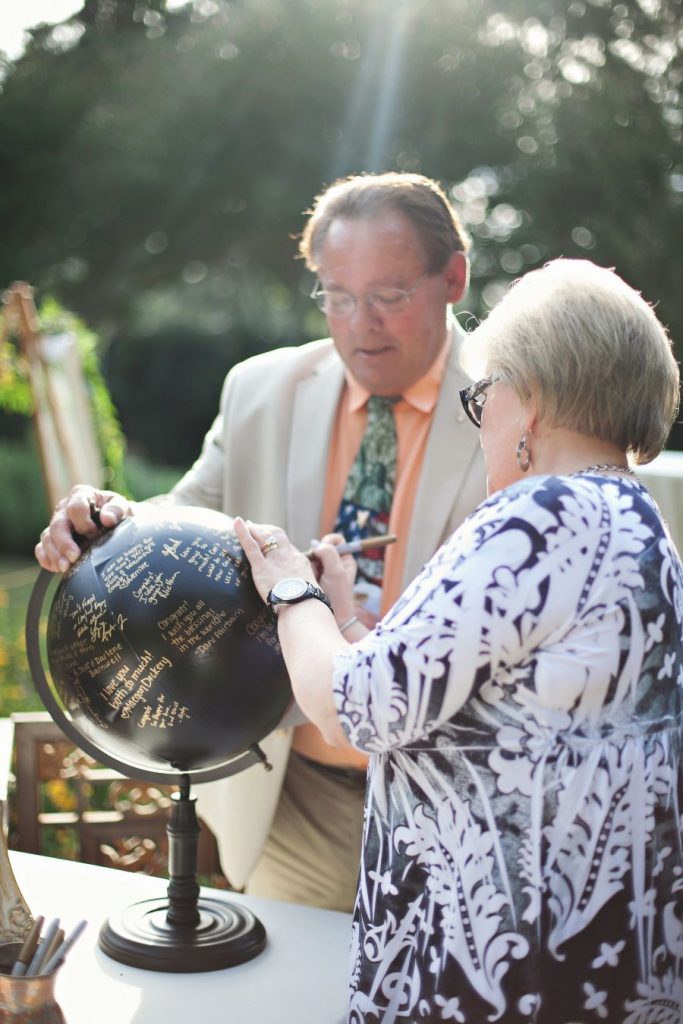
{"x": 155, "y": 164}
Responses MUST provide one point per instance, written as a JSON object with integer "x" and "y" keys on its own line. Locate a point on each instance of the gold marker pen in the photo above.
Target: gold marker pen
{"x": 352, "y": 547}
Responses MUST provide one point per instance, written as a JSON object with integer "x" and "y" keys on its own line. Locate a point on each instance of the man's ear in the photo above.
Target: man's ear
{"x": 457, "y": 276}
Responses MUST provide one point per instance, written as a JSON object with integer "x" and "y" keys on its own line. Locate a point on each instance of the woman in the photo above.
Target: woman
{"x": 523, "y": 699}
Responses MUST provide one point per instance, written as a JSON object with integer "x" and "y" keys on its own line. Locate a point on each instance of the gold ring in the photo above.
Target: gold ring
{"x": 270, "y": 545}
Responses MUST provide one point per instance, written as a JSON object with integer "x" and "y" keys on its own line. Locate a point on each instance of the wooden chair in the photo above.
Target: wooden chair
{"x": 64, "y": 804}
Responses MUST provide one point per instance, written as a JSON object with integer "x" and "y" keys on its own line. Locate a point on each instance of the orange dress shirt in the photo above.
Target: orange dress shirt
{"x": 413, "y": 419}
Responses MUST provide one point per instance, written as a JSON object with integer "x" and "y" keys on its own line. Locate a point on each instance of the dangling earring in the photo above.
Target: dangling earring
{"x": 523, "y": 454}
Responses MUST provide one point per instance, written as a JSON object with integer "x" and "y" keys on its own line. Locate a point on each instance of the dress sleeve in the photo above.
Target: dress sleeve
{"x": 509, "y": 578}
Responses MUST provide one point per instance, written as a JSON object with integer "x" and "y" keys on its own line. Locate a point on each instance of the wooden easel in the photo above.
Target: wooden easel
{"x": 68, "y": 453}
{"x": 63, "y": 416}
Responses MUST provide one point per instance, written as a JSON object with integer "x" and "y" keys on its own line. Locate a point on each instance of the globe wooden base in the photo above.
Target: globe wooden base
{"x": 186, "y": 931}
{"x": 226, "y": 934}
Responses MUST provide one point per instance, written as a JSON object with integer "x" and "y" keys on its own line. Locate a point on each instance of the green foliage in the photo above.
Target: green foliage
{"x": 166, "y": 386}
{"x": 23, "y": 506}
{"x": 15, "y": 391}
{"x": 16, "y": 689}
{"x": 146, "y": 479}
{"x": 184, "y": 145}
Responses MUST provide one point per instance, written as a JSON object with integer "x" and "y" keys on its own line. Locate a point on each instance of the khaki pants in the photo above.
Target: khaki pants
{"x": 312, "y": 855}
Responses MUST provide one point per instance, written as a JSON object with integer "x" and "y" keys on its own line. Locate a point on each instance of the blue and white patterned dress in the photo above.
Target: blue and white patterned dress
{"x": 523, "y": 703}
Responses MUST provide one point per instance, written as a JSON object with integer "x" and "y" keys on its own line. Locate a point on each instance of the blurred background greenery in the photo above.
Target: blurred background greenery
{"x": 156, "y": 158}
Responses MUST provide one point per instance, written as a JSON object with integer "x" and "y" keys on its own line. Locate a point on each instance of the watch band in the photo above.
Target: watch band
{"x": 311, "y": 591}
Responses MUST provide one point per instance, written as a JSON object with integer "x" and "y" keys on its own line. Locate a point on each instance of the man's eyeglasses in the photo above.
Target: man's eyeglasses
{"x": 385, "y": 301}
{"x": 473, "y": 398}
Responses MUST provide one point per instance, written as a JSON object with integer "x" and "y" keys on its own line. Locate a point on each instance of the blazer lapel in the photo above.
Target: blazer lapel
{"x": 315, "y": 407}
{"x": 448, "y": 457}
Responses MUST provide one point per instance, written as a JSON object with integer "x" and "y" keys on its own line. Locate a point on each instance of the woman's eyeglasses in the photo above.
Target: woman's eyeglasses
{"x": 473, "y": 398}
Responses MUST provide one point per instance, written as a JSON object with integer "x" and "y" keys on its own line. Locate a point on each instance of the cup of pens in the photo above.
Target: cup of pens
{"x": 28, "y": 972}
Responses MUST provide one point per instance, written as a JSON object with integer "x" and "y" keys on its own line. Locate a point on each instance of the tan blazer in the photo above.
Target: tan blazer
{"x": 265, "y": 458}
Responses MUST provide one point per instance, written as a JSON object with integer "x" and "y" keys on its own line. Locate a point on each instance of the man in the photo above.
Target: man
{"x": 289, "y": 446}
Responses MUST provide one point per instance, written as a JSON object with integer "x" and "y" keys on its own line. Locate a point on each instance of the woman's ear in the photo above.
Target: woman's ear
{"x": 530, "y": 417}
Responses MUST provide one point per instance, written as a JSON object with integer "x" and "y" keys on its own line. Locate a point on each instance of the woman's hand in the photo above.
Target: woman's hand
{"x": 307, "y": 631}
{"x": 57, "y": 548}
{"x": 271, "y": 554}
{"x": 336, "y": 576}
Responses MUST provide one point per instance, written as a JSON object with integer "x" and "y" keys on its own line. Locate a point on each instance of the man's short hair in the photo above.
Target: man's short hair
{"x": 362, "y": 196}
{"x": 589, "y": 350}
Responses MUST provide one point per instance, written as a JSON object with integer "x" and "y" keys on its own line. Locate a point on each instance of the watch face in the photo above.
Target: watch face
{"x": 290, "y": 589}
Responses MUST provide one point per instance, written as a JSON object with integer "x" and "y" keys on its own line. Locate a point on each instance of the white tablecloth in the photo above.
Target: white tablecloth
{"x": 300, "y": 978}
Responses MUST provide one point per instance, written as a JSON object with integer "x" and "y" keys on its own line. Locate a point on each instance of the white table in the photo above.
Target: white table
{"x": 301, "y": 976}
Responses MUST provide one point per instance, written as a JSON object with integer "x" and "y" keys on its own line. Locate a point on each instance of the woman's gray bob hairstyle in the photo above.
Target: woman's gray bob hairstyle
{"x": 590, "y": 351}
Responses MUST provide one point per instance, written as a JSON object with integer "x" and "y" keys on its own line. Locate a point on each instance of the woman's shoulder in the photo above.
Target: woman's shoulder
{"x": 557, "y": 488}
{"x": 524, "y": 496}
{"x": 576, "y": 497}
{"x": 566, "y": 517}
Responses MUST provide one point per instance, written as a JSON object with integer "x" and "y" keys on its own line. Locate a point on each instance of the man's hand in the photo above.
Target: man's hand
{"x": 57, "y": 548}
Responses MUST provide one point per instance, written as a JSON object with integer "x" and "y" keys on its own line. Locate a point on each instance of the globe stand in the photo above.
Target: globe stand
{"x": 184, "y": 932}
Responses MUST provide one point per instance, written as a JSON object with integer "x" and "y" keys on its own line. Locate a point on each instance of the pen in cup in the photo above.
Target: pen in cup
{"x": 36, "y": 963}
{"x": 27, "y": 951}
{"x": 57, "y": 940}
{"x": 352, "y": 547}
{"x": 60, "y": 952}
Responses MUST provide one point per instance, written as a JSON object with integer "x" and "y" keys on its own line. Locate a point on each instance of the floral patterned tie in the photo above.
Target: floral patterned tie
{"x": 369, "y": 490}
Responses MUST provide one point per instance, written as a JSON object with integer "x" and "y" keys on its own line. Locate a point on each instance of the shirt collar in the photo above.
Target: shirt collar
{"x": 422, "y": 395}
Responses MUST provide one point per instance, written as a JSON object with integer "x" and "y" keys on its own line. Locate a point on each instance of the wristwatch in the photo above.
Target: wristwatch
{"x": 293, "y": 590}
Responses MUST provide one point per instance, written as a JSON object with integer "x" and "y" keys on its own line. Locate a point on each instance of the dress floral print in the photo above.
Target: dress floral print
{"x": 523, "y": 704}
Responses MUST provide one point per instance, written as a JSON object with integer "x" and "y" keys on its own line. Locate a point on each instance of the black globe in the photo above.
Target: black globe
{"x": 161, "y": 651}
